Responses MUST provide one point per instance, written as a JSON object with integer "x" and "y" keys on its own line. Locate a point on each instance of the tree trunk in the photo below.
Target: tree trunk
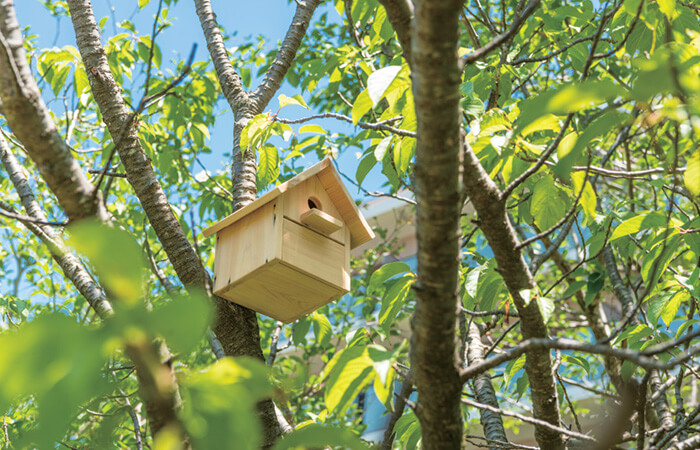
{"x": 434, "y": 358}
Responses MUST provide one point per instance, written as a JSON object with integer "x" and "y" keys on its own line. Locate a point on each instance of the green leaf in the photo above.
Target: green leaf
{"x": 638, "y": 223}
{"x": 143, "y": 3}
{"x": 220, "y": 403}
{"x": 408, "y": 430}
{"x": 381, "y": 148}
{"x": 115, "y": 254}
{"x": 588, "y": 198}
{"x": 571, "y": 359}
{"x": 367, "y": 163}
{"x": 379, "y": 81}
{"x": 691, "y": 177}
{"x": 312, "y": 129}
{"x": 568, "y": 99}
{"x": 385, "y": 272}
{"x": 403, "y": 153}
{"x": 594, "y": 284}
{"x": 81, "y": 81}
{"x": 300, "y": 330}
{"x": 393, "y": 300}
{"x": 59, "y": 363}
{"x": 597, "y": 129}
{"x": 634, "y": 334}
{"x": 268, "y": 165}
{"x": 296, "y": 100}
{"x": 361, "y": 106}
{"x": 668, "y": 7}
{"x": 315, "y": 435}
{"x": 200, "y": 132}
{"x": 348, "y": 377}
{"x": 59, "y": 74}
{"x": 512, "y": 368}
{"x": 655, "y": 262}
{"x": 183, "y": 321}
{"x": 547, "y": 206}
{"x": 322, "y": 328}
{"x": 546, "y": 307}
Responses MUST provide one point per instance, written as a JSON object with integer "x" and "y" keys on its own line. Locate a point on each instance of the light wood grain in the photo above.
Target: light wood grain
{"x": 247, "y": 245}
{"x": 281, "y": 292}
{"x": 341, "y": 204}
{"x": 319, "y": 221}
{"x": 315, "y": 254}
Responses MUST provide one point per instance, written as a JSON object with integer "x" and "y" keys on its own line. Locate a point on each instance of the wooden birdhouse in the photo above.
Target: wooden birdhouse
{"x": 288, "y": 253}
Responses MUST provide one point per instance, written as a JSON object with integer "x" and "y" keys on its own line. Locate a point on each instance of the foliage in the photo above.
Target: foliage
{"x": 617, "y": 124}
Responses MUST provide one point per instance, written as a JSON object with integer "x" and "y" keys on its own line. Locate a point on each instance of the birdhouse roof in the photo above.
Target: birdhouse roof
{"x": 360, "y": 231}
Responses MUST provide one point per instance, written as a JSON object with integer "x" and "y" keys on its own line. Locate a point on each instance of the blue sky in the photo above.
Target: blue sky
{"x": 269, "y": 18}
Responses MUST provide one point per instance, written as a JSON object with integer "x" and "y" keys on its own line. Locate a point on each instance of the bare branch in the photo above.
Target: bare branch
{"x": 492, "y": 45}
{"x": 531, "y": 420}
{"x": 285, "y": 55}
{"x": 379, "y": 126}
{"x": 640, "y": 359}
{"x": 228, "y": 78}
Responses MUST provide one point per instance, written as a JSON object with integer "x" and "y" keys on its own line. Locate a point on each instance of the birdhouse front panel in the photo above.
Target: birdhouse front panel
{"x": 288, "y": 252}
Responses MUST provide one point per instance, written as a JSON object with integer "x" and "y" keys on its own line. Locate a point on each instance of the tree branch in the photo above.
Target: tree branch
{"x": 400, "y": 15}
{"x": 531, "y": 420}
{"x": 228, "y": 78}
{"x": 379, "y": 126}
{"x": 489, "y": 204}
{"x": 31, "y": 122}
{"x": 492, "y": 45}
{"x": 436, "y": 79}
{"x": 491, "y": 422}
{"x": 639, "y": 358}
{"x": 285, "y": 55}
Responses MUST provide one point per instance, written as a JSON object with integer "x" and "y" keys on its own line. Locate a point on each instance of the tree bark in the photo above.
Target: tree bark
{"x": 494, "y": 223}
{"x": 434, "y": 358}
{"x": 400, "y": 15}
{"x": 30, "y": 120}
{"x": 490, "y": 421}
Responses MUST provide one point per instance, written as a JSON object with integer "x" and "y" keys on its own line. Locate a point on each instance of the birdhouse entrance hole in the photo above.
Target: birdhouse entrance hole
{"x": 313, "y": 202}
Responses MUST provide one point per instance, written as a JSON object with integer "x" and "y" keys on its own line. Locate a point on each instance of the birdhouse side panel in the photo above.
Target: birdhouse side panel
{"x": 307, "y": 195}
{"x": 247, "y": 244}
{"x": 315, "y": 255}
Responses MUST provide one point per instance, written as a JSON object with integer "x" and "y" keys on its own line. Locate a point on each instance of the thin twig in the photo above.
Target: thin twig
{"x": 378, "y": 126}
{"x": 530, "y": 420}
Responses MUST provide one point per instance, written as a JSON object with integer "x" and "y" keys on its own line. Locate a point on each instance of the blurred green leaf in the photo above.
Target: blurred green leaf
{"x": 220, "y": 403}
{"x": 115, "y": 254}
{"x": 315, "y": 435}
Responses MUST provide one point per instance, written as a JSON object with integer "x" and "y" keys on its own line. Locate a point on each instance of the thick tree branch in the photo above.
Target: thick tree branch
{"x": 493, "y": 221}
{"x": 438, "y": 206}
{"x": 31, "y": 122}
{"x": 285, "y": 55}
{"x": 400, "y": 15}
{"x": 228, "y": 78}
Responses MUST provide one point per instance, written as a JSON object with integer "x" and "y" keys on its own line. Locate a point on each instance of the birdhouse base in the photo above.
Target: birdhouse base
{"x": 289, "y": 292}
